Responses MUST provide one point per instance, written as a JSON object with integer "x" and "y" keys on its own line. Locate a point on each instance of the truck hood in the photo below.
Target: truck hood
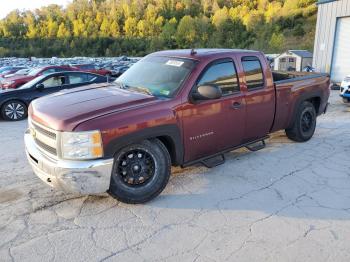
{"x": 65, "y": 110}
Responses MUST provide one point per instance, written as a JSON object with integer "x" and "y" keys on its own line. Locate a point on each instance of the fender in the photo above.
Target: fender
{"x": 302, "y": 98}
{"x": 169, "y": 135}
{"x": 13, "y": 99}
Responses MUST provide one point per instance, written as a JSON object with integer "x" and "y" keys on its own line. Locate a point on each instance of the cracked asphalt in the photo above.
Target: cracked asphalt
{"x": 287, "y": 202}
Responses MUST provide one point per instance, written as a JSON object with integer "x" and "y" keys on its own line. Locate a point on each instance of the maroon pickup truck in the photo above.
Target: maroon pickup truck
{"x": 172, "y": 108}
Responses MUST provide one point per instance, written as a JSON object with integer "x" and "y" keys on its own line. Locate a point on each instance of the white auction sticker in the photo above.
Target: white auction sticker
{"x": 174, "y": 63}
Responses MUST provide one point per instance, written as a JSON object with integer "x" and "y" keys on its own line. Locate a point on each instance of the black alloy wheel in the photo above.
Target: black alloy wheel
{"x": 306, "y": 121}
{"x": 136, "y": 167}
{"x": 140, "y": 172}
{"x": 304, "y": 125}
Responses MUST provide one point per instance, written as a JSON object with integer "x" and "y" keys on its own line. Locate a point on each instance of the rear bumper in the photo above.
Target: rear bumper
{"x": 84, "y": 177}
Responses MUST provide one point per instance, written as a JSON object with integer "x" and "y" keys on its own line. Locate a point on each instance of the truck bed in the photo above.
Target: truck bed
{"x": 280, "y": 77}
{"x": 293, "y": 87}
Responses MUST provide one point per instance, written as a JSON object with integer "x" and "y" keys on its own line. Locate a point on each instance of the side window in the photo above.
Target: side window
{"x": 48, "y": 71}
{"x": 223, "y": 75}
{"x": 78, "y": 78}
{"x": 91, "y": 78}
{"x": 253, "y": 72}
{"x": 54, "y": 81}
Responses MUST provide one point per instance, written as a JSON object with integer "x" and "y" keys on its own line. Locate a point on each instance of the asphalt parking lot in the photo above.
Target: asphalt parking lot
{"x": 287, "y": 202}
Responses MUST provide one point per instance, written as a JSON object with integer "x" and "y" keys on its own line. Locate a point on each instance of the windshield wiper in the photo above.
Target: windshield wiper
{"x": 144, "y": 90}
{"x": 121, "y": 85}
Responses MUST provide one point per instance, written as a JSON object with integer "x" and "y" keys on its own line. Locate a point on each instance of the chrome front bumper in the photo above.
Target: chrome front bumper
{"x": 84, "y": 177}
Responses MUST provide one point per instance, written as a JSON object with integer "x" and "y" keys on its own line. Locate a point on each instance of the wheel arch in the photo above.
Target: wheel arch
{"x": 313, "y": 97}
{"x": 2, "y": 103}
{"x": 169, "y": 136}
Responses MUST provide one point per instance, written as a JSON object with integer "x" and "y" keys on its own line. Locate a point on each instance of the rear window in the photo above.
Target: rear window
{"x": 77, "y": 78}
{"x": 253, "y": 72}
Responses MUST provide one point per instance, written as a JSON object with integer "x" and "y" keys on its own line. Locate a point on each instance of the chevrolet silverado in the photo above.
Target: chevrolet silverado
{"x": 180, "y": 108}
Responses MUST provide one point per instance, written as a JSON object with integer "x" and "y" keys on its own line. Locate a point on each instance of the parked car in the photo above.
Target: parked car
{"x": 17, "y": 81}
{"x": 14, "y": 102}
{"x": 118, "y": 71}
{"x": 171, "y": 108}
{"x": 308, "y": 69}
{"x": 345, "y": 89}
{"x": 9, "y": 70}
{"x": 20, "y": 72}
{"x": 93, "y": 69}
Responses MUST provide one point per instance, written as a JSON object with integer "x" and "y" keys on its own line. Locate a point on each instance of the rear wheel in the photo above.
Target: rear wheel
{"x": 346, "y": 100}
{"x": 14, "y": 111}
{"x": 141, "y": 172}
{"x": 304, "y": 124}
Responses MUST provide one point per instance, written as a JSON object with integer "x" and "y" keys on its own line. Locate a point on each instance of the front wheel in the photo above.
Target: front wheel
{"x": 14, "y": 111}
{"x": 346, "y": 100}
{"x": 304, "y": 124}
{"x": 141, "y": 171}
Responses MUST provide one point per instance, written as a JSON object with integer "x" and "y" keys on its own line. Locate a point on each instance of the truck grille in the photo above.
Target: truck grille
{"x": 45, "y": 138}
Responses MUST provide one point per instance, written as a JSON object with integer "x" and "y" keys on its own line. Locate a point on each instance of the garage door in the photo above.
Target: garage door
{"x": 341, "y": 53}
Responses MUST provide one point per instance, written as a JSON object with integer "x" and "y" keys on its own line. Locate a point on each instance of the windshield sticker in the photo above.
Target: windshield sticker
{"x": 164, "y": 92}
{"x": 174, "y": 63}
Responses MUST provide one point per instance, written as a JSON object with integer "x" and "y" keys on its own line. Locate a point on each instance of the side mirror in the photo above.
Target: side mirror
{"x": 207, "y": 92}
{"x": 40, "y": 87}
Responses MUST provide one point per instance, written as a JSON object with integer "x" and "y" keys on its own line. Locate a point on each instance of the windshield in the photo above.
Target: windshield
{"x": 158, "y": 76}
{"x": 22, "y": 72}
{"x": 31, "y": 83}
{"x": 34, "y": 71}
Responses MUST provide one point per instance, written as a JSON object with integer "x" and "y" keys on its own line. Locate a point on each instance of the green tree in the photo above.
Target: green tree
{"x": 277, "y": 42}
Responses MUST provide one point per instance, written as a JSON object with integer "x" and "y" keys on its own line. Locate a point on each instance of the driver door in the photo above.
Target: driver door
{"x": 50, "y": 85}
{"x": 211, "y": 126}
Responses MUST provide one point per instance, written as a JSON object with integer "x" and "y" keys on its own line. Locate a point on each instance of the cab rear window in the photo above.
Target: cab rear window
{"x": 253, "y": 72}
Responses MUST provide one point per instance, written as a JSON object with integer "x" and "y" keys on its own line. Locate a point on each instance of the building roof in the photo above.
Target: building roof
{"x": 302, "y": 53}
{"x": 325, "y": 1}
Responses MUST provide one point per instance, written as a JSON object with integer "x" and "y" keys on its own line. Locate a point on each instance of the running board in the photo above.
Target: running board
{"x": 214, "y": 161}
{"x": 256, "y": 146}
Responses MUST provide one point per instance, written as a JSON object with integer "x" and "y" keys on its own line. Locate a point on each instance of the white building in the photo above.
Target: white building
{"x": 332, "y": 42}
{"x": 293, "y": 60}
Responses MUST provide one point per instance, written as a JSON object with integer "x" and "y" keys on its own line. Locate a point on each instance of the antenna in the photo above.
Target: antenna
{"x": 193, "y": 52}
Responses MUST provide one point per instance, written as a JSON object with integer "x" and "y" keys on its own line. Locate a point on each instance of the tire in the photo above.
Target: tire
{"x": 14, "y": 111}
{"x": 140, "y": 172}
{"x": 304, "y": 124}
{"x": 346, "y": 100}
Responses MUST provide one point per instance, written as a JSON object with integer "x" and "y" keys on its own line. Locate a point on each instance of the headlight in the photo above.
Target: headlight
{"x": 81, "y": 145}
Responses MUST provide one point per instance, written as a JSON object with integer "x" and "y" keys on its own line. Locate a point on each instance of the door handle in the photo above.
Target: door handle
{"x": 236, "y": 105}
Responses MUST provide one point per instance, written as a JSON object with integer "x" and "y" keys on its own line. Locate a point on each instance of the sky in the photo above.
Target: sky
{"x": 6, "y": 6}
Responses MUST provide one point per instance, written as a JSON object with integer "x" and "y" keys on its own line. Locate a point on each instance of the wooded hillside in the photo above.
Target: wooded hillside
{"x": 137, "y": 27}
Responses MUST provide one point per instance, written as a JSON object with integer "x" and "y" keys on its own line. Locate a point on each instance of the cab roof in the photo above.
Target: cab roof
{"x": 201, "y": 53}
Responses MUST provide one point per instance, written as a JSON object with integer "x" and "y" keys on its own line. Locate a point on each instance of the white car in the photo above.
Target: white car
{"x": 345, "y": 89}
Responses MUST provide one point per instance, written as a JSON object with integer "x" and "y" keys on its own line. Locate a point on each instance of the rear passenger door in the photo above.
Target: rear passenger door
{"x": 211, "y": 126}
{"x": 259, "y": 97}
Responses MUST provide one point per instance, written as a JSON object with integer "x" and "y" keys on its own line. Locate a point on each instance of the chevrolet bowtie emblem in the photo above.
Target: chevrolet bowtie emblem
{"x": 32, "y": 131}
